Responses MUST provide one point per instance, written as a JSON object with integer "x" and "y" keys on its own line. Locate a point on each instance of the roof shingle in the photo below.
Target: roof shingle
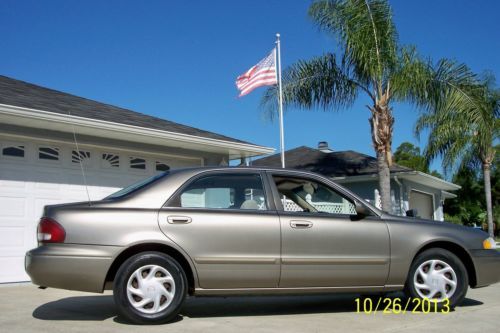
{"x": 334, "y": 164}
{"x": 23, "y": 94}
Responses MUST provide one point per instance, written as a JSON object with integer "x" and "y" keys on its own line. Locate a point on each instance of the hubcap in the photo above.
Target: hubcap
{"x": 150, "y": 289}
{"x": 435, "y": 280}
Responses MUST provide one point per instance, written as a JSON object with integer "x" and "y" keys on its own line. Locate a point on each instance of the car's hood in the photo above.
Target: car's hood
{"x": 438, "y": 224}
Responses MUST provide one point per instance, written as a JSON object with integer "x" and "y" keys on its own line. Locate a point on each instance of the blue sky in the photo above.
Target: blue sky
{"x": 179, "y": 59}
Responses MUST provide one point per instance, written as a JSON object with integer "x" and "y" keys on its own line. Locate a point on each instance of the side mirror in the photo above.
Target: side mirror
{"x": 361, "y": 209}
{"x": 412, "y": 213}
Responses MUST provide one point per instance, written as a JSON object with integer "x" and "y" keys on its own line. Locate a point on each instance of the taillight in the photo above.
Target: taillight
{"x": 49, "y": 231}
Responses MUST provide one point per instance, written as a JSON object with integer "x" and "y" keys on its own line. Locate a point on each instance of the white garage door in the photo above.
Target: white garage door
{"x": 423, "y": 203}
{"x": 33, "y": 175}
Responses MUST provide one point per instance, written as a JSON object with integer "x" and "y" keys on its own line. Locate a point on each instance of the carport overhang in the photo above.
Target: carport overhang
{"x": 26, "y": 117}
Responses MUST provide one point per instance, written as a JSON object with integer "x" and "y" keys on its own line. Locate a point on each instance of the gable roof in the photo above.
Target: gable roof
{"x": 334, "y": 164}
{"x": 23, "y": 94}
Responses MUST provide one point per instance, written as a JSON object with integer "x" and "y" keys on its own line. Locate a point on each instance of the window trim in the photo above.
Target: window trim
{"x": 102, "y": 164}
{"x": 85, "y": 164}
{"x": 267, "y": 194}
{"x": 138, "y": 170}
{"x": 49, "y": 161}
{"x": 157, "y": 161}
{"x": 8, "y": 144}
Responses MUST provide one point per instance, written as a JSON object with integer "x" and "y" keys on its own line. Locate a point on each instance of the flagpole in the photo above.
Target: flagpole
{"x": 280, "y": 100}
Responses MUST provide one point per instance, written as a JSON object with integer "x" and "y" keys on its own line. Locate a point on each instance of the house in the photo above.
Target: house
{"x": 410, "y": 189}
{"x": 53, "y": 143}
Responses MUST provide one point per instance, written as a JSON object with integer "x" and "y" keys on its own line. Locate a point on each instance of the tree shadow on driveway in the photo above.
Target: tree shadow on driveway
{"x": 100, "y": 308}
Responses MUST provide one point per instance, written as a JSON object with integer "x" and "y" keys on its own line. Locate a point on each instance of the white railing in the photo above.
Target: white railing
{"x": 328, "y": 207}
{"x": 291, "y": 206}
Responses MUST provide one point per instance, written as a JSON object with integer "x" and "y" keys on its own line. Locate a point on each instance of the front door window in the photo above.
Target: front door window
{"x": 304, "y": 195}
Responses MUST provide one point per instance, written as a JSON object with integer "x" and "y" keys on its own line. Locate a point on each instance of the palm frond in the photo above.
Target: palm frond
{"x": 463, "y": 126}
{"x": 446, "y": 84}
{"x": 365, "y": 30}
{"x": 319, "y": 82}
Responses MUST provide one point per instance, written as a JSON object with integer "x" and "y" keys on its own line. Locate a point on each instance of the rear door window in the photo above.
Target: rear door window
{"x": 223, "y": 191}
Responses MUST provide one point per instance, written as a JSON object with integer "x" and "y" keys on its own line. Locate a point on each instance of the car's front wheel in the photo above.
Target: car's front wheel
{"x": 150, "y": 288}
{"x": 438, "y": 276}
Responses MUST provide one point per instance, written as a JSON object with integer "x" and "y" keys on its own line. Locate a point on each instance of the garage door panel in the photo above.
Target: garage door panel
{"x": 11, "y": 184}
{"x": 28, "y": 184}
{"x": 11, "y": 236}
{"x": 12, "y": 206}
{"x": 47, "y": 186}
{"x": 12, "y": 269}
{"x": 423, "y": 203}
{"x": 12, "y": 175}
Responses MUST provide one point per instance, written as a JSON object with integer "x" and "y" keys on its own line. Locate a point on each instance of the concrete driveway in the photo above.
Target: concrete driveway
{"x": 24, "y": 308}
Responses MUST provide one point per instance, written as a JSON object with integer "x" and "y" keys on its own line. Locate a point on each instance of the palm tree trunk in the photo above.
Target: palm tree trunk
{"x": 487, "y": 192}
{"x": 381, "y": 123}
{"x": 384, "y": 182}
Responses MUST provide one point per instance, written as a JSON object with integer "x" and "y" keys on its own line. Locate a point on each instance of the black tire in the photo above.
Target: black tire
{"x": 178, "y": 288}
{"x": 452, "y": 260}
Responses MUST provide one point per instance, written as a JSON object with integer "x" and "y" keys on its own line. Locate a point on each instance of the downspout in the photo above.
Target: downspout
{"x": 401, "y": 207}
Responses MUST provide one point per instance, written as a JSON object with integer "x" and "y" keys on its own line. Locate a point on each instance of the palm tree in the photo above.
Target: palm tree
{"x": 465, "y": 137}
{"x": 371, "y": 63}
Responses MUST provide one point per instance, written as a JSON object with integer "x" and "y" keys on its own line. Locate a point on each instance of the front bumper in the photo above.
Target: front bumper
{"x": 487, "y": 265}
{"x": 70, "y": 266}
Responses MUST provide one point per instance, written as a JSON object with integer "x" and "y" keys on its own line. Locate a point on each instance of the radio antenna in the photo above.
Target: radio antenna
{"x": 80, "y": 161}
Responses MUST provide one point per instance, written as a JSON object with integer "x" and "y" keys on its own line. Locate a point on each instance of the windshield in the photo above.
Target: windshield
{"x": 134, "y": 187}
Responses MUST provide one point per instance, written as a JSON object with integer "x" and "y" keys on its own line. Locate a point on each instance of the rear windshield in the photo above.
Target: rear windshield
{"x": 136, "y": 186}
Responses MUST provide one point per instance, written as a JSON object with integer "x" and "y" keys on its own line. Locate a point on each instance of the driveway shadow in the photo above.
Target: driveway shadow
{"x": 470, "y": 302}
{"x": 94, "y": 308}
{"x": 267, "y": 305}
{"x": 100, "y": 308}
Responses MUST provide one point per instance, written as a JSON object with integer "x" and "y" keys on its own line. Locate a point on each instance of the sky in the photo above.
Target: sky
{"x": 178, "y": 60}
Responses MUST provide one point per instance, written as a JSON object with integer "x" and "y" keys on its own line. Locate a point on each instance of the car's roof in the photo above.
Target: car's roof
{"x": 195, "y": 170}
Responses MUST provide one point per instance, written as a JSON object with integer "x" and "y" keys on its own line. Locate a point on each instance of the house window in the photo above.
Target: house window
{"x": 14, "y": 151}
{"x": 48, "y": 153}
{"x": 137, "y": 163}
{"x": 80, "y": 156}
{"x": 110, "y": 160}
{"x": 162, "y": 166}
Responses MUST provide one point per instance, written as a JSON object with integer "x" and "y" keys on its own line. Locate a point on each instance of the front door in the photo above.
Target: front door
{"x": 224, "y": 221}
{"x": 324, "y": 243}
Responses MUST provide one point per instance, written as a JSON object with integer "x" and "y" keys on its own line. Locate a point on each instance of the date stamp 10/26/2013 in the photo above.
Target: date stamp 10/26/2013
{"x": 386, "y": 305}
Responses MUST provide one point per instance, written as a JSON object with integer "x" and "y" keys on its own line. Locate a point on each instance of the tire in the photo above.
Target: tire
{"x": 150, "y": 288}
{"x": 445, "y": 264}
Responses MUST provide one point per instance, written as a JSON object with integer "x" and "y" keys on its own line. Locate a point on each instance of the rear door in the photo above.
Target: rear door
{"x": 230, "y": 229}
{"x": 324, "y": 243}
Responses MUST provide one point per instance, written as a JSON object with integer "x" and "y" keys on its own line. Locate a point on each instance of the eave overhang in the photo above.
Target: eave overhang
{"x": 414, "y": 176}
{"x": 27, "y": 117}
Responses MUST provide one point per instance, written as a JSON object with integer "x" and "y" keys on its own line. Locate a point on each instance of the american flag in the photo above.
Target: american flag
{"x": 262, "y": 74}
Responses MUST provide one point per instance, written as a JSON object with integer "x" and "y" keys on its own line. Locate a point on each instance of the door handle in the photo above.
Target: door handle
{"x": 177, "y": 219}
{"x": 301, "y": 224}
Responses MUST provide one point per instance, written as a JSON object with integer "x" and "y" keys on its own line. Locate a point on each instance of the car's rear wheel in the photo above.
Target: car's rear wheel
{"x": 438, "y": 276}
{"x": 150, "y": 288}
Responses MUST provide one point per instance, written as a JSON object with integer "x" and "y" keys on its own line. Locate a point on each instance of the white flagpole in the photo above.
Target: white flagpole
{"x": 280, "y": 100}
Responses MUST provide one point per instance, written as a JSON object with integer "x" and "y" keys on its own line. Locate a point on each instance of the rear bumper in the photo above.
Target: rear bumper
{"x": 487, "y": 264}
{"x": 70, "y": 266}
